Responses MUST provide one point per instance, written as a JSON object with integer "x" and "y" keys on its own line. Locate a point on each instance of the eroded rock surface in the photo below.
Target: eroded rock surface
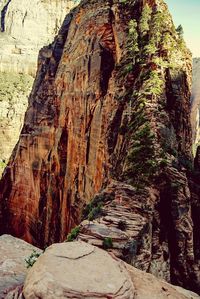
{"x": 126, "y": 221}
{"x": 91, "y": 273}
{"x": 110, "y": 102}
{"x": 195, "y": 111}
{"x": 25, "y": 27}
{"x": 14, "y": 91}
{"x": 12, "y": 263}
{"x": 80, "y": 270}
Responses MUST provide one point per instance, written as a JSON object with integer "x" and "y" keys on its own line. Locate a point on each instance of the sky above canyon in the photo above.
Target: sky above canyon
{"x": 187, "y": 13}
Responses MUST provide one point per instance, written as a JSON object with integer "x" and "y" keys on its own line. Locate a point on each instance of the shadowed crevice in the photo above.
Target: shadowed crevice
{"x": 3, "y": 15}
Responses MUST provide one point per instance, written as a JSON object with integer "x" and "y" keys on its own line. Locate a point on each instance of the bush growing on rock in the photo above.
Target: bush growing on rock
{"x": 30, "y": 261}
{"x": 73, "y": 234}
{"x": 107, "y": 243}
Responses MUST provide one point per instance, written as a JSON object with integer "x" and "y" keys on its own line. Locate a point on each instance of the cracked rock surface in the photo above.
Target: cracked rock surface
{"x": 80, "y": 270}
{"x": 77, "y": 270}
{"x": 99, "y": 114}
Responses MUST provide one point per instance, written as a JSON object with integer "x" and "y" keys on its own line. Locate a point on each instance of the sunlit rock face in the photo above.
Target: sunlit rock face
{"x": 25, "y": 27}
{"x": 195, "y": 102}
{"x": 109, "y": 113}
{"x": 14, "y": 91}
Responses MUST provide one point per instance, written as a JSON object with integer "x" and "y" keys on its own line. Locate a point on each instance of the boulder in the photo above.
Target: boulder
{"x": 13, "y": 270}
{"x": 80, "y": 270}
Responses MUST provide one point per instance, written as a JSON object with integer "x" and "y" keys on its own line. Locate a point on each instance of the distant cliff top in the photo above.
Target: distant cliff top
{"x": 25, "y": 27}
{"x": 196, "y": 75}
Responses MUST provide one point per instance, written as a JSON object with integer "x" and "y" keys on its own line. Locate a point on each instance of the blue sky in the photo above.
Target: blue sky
{"x": 187, "y": 13}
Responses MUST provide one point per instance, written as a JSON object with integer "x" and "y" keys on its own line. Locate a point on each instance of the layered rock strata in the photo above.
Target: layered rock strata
{"x": 110, "y": 110}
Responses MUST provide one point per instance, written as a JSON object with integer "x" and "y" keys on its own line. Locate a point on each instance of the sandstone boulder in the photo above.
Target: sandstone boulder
{"x": 12, "y": 263}
{"x": 80, "y": 270}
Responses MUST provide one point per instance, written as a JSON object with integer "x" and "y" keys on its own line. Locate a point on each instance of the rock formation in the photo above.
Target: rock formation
{"x": 26, "y": 26}
{"x": 13, "y": 253}
{"x": 195, "y": 113}
{"x": 89, "y": 273}
{"x": 14, "y": 91}
{"x": 92, "y": 273}
{"x": 109, "y": 113}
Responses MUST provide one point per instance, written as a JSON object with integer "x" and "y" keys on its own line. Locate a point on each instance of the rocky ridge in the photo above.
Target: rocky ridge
{"x": 109, "y": 114}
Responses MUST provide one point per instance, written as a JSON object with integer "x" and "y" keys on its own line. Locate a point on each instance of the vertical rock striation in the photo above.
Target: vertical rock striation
{"x": 26, "y": 26}
{"x": 109, "y": 113}
{"x": 195, "y": 103}
{"x": 14, "y": 92}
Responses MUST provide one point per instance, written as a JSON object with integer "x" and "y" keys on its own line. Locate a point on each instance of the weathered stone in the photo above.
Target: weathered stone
{"x": 14, "y": 92}
{"x": 26, "y": 26}
{"x": 147, "y": 286}
{"x": 125, "y": 220}
{"x": 103, "y": 109}
{"x": 79, "y": 270}
{"x": 12, "y": 263}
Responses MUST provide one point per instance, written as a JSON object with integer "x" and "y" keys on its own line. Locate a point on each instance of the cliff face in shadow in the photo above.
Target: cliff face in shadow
{"x": 109, "y": 115}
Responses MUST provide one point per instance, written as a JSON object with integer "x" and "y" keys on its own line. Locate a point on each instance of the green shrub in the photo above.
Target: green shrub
{"x": 144, "y": 20}
{"x": 122, "y": 225}
{"x": 73, "y": 234}
{"x": 180, "y": 31}
{"x": 141, "y": 162}
{"x": 132, "y": 44}
{"x": 95, "y": 212}
{"x": 163, "y": 163}
{"x": 107, "y": 243}
{"x": 94, "y": 209}
{"x": 30, "y": 261}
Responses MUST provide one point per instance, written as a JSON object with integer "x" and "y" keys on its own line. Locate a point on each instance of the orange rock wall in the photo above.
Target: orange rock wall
{"x": 92, "y": 103}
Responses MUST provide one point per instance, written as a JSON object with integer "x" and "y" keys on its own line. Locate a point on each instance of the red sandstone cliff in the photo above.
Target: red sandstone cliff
{"x": 109, "y": 113}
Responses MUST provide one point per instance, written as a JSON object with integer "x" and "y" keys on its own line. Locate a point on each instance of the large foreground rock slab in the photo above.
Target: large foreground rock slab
{"x": 77, "y": 270}
{"x": 12, "y": 263}
{"x": 81, "y": 270}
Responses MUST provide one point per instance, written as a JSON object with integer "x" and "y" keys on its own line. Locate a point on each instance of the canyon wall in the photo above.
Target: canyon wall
{"x": 108, "y": 121}
{"x": 14, "y": 91}
{"x": 195, "y": 102}
{"x": 26, "y": 26}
